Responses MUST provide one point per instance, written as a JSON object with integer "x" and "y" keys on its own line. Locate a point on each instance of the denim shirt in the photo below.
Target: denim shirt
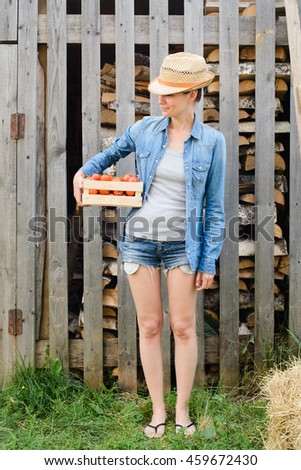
{"x": 204, "y": 166}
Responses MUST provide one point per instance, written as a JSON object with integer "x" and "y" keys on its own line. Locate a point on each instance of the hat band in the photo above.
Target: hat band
{"x": 178, "y": 85}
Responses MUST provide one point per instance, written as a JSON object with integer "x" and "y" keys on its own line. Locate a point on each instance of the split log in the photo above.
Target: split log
{"x": 247, "y": 70}
{"x": 243, "y": 115}
{"x": 110, "y": 323}
{"x": 110, "y": 297}
{"x": 243, "y": 286}
{"x": 248, "y": 198}
{"x": 109, "y": 250}
{"x": 281, "y": 88}
{"x": 243, "y": 140}
{"x": 249, "y": 11}
{"x": 142, "y": 72}
{"x": 246, "y": 263}
{"x": 210, "y": 114}
{"x": 283, "y": 265}
{"x": 247, "y": 87}
{"x": 108, "y": 117}
{"x": 109, "y": 312}
{"x": 278, "y": 231}
{"x": 213, "y": 88}
{"x": 213, "y": 56}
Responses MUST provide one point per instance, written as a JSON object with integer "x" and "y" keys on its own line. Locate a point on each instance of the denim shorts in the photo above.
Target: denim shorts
{"x": 157, "y": 254}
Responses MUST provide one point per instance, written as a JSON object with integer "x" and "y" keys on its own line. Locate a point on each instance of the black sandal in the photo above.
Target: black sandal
{"x": 156, "y": 430}
{"x": 180, "y": 426}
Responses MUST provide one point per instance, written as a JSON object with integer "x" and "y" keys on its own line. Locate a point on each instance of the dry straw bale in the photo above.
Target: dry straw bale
{"x": 282, "y": 389}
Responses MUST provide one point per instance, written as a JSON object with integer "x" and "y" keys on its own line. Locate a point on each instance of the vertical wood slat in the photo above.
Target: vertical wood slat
{"x": 8, "y": 20}
{"x": 294, "y": 226}
{"x": 229, "y": 260}
{"x": 294, "y": 39}
{"x": 158, "y": 44}
{"x": 295, "y": 221}
{"x": 264, "y": 179}
{"x": 93, "y": 266}
{"x": 8, "y": 182}
{"x": 125, "y": 92}
{"x": 193, "y": 42}
{"x": 56, "y": 180}
{"x": 26, "y": 176}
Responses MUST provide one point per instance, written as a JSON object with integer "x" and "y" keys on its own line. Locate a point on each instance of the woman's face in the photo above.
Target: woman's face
{"x": 177, "y": 104}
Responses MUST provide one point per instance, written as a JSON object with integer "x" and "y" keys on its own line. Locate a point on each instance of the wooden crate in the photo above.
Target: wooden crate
{"x": 111, "y": 199}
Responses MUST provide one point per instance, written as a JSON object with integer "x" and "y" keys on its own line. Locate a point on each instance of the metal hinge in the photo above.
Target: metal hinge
{"x": 15, "y": 322}
{"x": 17, "y": 126}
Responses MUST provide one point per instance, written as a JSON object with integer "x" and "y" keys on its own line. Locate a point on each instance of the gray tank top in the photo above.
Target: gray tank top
{"x": 162, "y": 216}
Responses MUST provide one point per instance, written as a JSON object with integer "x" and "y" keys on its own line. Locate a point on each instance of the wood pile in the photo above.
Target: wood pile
{"x": 247, "y": 179}
{"x": 108, "y": 91}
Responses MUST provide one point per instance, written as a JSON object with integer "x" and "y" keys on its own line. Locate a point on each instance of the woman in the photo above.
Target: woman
{"x": 181, "y": 162}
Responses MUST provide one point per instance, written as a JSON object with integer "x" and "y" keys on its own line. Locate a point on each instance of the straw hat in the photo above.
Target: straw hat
{"x": 181, "y": 72}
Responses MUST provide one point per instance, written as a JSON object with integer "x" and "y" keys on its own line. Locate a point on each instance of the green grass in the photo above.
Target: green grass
{"x": 45, "y": 409}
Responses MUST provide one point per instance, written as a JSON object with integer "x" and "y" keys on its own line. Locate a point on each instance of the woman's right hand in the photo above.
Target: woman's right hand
{"x": 78, "y": 182}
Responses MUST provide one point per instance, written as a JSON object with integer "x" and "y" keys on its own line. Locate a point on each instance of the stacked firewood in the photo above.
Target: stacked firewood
{"x": 108, "y": 91}
{"x": 247, "y": 178}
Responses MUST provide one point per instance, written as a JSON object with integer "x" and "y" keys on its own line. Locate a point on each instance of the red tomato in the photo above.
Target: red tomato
{"x": 105, "y": 177}
{"x": 134, "y": 179}
{"x": 93, "y": 191}
{"x": 126, "y": 177}
{"x": 96, "y": 177}
{"x": 117, "y": 192}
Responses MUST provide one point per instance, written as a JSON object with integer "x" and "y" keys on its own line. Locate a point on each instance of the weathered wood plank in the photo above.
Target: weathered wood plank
{"x": 175, "y": 28}
{"x": 294, "y": 227}
{"x": 294, "y": 39}
{"x": 158, "y": 44}
{"x": 41, "y": 239}
{"x": 93, "y": 339}
{"x": 27, "y": 159}
{"x": 193, "y": 42}
{"x": 8, "y": 209}
{"x": 8, "y": 20}
{"x": 229, "y": 271}
{"x": 264, "y": 179}
{"x": 127, "y": 330}
{"x": 56, "y": 180}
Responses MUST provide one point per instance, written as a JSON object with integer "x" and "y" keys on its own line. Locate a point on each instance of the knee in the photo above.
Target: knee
{"x": 183, "y": 330}
{"x": 150, "y": 328}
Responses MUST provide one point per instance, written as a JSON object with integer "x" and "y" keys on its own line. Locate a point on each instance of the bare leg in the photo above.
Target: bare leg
{"x": 145, "y": 287}
{"x": 182, "y": 306}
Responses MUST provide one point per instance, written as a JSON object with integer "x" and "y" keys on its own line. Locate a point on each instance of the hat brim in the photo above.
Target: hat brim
{"x": 159, "y": 88}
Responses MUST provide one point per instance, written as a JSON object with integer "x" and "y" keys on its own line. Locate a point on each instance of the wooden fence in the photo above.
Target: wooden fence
{"x": 34, "y": 171}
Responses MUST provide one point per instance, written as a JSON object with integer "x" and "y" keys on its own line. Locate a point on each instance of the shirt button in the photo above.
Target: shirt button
{"x": 164, "y": 146}
{"x": 156, "y": 161}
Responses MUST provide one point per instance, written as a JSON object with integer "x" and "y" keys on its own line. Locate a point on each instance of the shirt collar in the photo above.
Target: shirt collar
{"x": 196, "y": 130}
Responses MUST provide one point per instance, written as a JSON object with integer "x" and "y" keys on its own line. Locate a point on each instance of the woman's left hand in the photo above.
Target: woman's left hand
{"x": 203, "y": 281}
